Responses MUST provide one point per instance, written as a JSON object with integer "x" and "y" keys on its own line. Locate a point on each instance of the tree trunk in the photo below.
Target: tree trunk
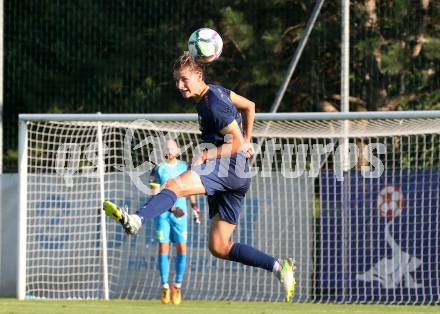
{"x": 327, "y": 106}
{"x": 375, "y": 94}
{"x": 370, "y": 6}
{"x": 421, "y": 36}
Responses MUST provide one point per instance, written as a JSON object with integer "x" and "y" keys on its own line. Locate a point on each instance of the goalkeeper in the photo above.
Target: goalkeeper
{"x": 220, "y": 117}
{"x": 172, "y": 226}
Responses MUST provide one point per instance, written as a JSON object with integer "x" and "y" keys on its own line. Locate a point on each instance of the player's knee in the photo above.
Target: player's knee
{"x": 173, "y": 186}
{"x": 181, "y": 248}
{"x": 219, "y": 250}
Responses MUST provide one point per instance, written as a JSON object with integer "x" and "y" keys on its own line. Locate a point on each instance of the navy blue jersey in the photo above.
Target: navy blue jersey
{"x": 215, "y": 112}
{"x": 225, "y": 192}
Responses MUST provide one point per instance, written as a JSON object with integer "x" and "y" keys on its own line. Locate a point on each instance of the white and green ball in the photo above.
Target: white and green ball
{"x": 205, "y": 45}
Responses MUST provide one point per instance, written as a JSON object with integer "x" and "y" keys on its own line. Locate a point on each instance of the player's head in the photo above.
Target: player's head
{"x": 172, "y": 150}
{"x": 189, "y": 76}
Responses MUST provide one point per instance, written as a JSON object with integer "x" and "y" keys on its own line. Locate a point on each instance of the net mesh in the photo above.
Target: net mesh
{"x": 356, "y": 237}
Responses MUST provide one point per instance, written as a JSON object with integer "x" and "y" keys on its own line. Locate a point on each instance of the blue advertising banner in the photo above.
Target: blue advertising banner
{"x": 379, "y": 239}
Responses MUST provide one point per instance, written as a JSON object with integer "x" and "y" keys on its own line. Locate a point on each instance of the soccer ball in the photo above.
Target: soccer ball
{"x": 205, "y": 45}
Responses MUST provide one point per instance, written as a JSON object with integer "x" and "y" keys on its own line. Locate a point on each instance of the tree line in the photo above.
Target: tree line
{"x": 65, "y": 56}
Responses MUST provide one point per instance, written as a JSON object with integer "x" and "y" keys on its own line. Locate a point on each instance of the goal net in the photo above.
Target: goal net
{"x": 354, "y": 201}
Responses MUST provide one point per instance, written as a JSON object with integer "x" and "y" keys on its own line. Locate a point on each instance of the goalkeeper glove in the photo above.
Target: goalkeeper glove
{"x": 196, "y": 213}
{"x": 177, "y": 211}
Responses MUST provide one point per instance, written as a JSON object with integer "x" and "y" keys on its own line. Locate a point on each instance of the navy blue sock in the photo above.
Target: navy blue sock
{"x": 157, "y": 205}
{"x": 250, "y": 256}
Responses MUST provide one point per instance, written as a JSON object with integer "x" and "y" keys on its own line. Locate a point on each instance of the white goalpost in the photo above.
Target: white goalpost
{"x": 361, "y": 219}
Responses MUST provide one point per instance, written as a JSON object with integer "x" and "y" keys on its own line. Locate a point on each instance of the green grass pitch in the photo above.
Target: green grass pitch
{"x": 194, "y": 307}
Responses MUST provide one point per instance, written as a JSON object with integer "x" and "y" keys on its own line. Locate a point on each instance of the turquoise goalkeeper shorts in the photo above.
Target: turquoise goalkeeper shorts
{"x": 169, "y": 228}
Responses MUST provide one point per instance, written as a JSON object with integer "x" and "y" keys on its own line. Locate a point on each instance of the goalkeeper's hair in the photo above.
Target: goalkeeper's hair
{"x": 187, "y": 61}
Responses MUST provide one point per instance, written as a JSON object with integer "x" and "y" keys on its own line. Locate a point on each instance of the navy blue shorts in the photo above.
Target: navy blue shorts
{"x": 226, "y": 183}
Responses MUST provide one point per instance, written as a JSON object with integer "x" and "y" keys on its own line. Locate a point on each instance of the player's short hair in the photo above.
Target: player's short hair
{"x": 187, "y": 61}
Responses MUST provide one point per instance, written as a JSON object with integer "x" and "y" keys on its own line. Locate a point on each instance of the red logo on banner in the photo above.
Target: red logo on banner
{"x": 390, "y": 202}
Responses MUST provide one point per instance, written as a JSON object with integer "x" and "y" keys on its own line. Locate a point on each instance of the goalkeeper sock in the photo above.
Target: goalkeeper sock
{"x": 250, "y": 256}
{"x": 180, "y": 267}
{"x": 164, "y": 268}
{"x": 157, "y": 205}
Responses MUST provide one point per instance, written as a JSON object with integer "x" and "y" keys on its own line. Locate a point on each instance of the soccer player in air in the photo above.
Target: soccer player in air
{"x": 226, "y": 123}
{"x": 172, "y": 225}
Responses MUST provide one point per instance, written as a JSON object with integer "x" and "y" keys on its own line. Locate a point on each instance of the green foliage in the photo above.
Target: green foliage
{"x": 116, "y": 56}
{"x": 395, "y": 59}
{"x": 273, "y": 39}
{"x": 235, "y": 29}
{"x": 364, "y": 47}
{"x": 432, "y": 49}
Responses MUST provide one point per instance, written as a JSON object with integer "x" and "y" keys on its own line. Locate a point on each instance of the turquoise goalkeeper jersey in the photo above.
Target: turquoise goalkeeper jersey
{"x": 164, "y": 172}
